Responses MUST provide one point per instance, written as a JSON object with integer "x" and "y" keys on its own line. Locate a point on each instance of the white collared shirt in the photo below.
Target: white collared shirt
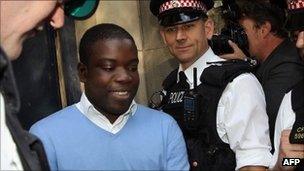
{"x": 285, "y": 120}
{"x": 86, "y": 108}
{"x": 241, "y": 115}
{"x": 10, "y": 159}
{"x": 200, "y": 64}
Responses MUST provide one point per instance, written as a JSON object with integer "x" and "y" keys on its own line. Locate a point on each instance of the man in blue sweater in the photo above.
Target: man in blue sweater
{"x": 107, "y": 129}
{"x": 20, "y": 20}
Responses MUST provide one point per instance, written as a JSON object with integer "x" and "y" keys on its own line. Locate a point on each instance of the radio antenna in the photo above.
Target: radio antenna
{"x": 195, "y": 78}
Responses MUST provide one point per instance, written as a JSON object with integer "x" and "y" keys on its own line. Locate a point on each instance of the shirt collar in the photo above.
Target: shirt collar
{"x": 200, "y": 64}
{"x": 87, "y": 108}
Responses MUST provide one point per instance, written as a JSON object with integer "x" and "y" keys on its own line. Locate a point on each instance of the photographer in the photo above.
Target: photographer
{"x": 282, "y": 70}
{"x": 219, "y": 105}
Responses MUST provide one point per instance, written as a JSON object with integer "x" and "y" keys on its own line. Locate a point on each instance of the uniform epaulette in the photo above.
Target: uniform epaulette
{"x": 221, "y": 72}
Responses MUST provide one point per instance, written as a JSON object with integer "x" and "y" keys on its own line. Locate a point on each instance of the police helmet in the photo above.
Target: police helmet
{"x": 173, "y": 12}
{"x": 295, "y": 15}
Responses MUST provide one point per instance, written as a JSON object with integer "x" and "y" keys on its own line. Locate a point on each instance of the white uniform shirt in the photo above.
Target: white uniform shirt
{"x": 9, "y": 156}
{"x": 285, "y": 120}
{"x": 86, "y": 107}
{"x": 242, "y": 121}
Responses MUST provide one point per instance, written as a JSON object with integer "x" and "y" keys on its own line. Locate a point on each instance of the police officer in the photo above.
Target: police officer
{"x": 20, "y": 20}
{"x": 289, "y": 125}
{"x": 221, "y": 109}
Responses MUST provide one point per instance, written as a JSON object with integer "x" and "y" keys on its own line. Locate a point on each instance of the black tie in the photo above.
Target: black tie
{"x": 183, "y": 80}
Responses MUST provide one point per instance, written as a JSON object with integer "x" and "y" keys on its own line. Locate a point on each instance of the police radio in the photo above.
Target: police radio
{"x": 191, "y": 106}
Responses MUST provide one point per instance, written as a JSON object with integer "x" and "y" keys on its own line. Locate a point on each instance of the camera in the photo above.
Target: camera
{"x": 232, "y": 31}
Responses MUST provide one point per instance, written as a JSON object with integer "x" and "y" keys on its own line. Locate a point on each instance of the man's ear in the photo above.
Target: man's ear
{"x": 162, "y": 33}
{"x": 265, "y": 29}
{"x": 209, "y": 28}
{"x": 82, "y": 72}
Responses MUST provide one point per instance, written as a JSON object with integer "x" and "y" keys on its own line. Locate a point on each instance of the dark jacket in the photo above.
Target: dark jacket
{"x": 282, "y": 70}
{"x": 29, "y": 147}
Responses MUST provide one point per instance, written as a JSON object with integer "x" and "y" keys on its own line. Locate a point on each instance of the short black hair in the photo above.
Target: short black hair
{"x": 104, "y": 31}
{"x": 262, "y": 11}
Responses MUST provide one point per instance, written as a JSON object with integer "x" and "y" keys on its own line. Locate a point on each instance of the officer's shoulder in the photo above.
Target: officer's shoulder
{"x": 245, "y": 85}
{"x": 245, "y": 79}
{"x": 222, "y": 72}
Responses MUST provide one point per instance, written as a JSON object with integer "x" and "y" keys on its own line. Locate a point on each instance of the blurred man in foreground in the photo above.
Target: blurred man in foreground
{"x": 19, "y": 21}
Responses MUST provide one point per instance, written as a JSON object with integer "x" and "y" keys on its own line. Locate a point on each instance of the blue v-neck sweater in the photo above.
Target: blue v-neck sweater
{"x": 150, "y": 140}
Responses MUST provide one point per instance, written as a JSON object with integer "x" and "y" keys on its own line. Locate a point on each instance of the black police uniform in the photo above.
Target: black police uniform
{"x": 30, "y": 148}
{"x": 206, "y": 150}
{"x": 295, "y": 22}
{"x": 292, "y": 107}
{"x": 297, "y": 103}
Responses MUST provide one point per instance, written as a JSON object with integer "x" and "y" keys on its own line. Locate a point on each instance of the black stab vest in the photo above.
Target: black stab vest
{"x": 206, "y": 150}
{"x": 297, "y": 132}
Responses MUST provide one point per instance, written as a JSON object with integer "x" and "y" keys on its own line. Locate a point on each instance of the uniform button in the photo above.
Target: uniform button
{"x": 194, "y": 164}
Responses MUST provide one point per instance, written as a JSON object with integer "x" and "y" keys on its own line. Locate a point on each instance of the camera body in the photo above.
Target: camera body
{"x": 232, "y": 31}
{"x": 235, "y": 33}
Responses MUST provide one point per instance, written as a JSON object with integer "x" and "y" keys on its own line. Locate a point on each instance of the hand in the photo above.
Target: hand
{"x": 300, "y": 40}
{"x": 253, "y": 168}
{"x": 237, "y": 52}
{"x": 288, "y": 150}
